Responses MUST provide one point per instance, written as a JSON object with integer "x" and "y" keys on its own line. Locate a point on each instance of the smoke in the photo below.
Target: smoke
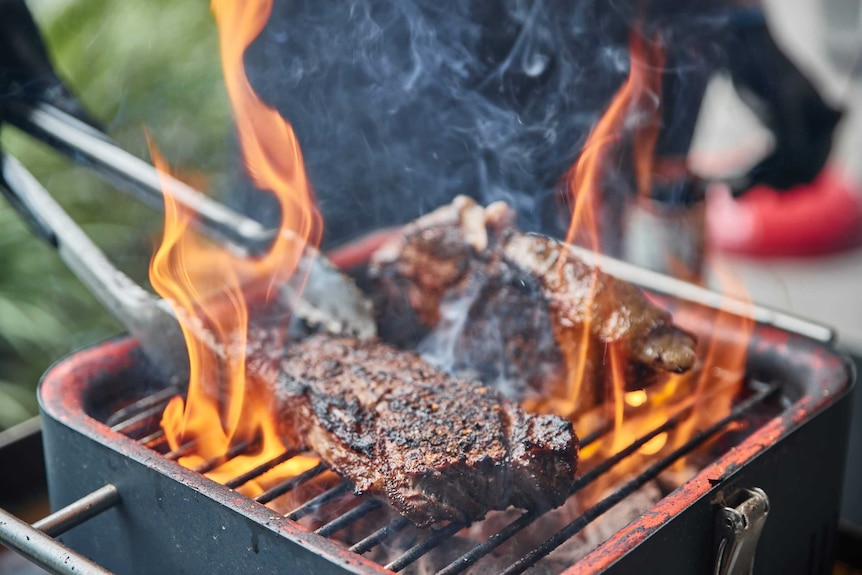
{"x": 399, "y": 105}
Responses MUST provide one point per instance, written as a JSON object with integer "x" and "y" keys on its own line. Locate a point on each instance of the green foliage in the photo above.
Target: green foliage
{"x": 135, "y": 65}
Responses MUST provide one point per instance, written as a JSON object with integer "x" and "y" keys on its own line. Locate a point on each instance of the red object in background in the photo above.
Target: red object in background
{"x": 822, "y": 217}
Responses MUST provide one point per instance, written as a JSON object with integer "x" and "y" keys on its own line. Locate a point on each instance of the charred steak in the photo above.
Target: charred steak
{"x": 437, "y": 447}
{"x": 530, "y": 305}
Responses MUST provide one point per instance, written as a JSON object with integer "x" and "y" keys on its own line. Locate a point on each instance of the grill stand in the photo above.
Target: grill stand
{"x": 36, "y": 542}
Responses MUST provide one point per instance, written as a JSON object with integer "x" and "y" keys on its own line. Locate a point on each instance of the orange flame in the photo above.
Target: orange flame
{"x": 583, "y": 182}
{"x": 703, "y": 395}
{"x": 225, "y": 406}
{"x": 583, "y": 185}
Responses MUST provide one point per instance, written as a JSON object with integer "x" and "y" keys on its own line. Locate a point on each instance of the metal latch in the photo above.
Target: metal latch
{"x": 738, "y": 531}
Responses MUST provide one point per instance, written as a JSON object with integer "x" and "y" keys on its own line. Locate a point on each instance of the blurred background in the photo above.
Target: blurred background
{"x": 137, "y": 66}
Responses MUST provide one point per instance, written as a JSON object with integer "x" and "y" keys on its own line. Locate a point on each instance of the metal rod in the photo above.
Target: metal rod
{"x": 36, "y": 542}
{"x": 317, "y": 502}
{"x": 290, "y": 484}
{"x": 630, "y": 487}
{"x": 148, "y": 318}
{"x": 43, "y": 550}
{"x": 681, "y": 289}
{"x": 479, "y": 551}
{"x": 380, "y": 535}
{"x": 182, "y": 450}
{"x": 118, "y": 418}
{"x": 607, "y": 464}
{"x": 595, "y": 435}
{"x": 346, "y": 519}
{"x": 89, "y": 147}
{"x": 78, "y": 512}
{"x": 260, "y": 469}
{"x": 141, "y": 417}
{"x": 233, "y": 451}
{"x": 436, "y": 538}
{"x": 155, "y": 438}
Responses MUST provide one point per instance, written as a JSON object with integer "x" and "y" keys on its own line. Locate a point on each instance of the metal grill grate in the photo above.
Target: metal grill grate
{"x": 139, "y": 420}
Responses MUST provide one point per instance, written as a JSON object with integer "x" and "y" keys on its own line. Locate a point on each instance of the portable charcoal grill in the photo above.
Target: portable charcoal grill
{"x": 100, "y": 411}
{"x": 133, "y": 509}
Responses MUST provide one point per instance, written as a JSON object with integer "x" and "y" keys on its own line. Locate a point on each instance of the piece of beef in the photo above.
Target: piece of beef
{"x": 523, "y": 288}
{"x": 439, "y": 448}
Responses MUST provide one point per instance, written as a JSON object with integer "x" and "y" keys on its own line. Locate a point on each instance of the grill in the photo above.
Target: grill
{"x": 780, "y": 450}
{"x": 126, "y": 504}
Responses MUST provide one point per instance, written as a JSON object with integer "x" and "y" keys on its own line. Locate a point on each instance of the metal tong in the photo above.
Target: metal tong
{"x": 329, "y": 301}
{"x": 87, "y": 146}
{"x": 146, "y": 316}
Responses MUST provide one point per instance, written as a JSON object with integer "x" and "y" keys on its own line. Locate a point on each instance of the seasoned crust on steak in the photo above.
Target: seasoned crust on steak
{"x": 531, "y": 305}
{"x": 437, "y": 447}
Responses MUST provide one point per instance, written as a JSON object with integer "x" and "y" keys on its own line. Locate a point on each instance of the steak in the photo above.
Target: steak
{"x": 532, "y": 313}
{"x": 437, "y": 447}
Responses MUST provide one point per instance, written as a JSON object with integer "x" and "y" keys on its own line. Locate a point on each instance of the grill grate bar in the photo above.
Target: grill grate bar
{"x": 437, "y": 537}
{"x": 260, "y": 469}
{"x": 120, "y": 419}
{"x": 630, "y": 487}
{"x": 476, "y": 553}
{"x": 234, "y": 451}
{"x": 290, "y": 484}
{"x": 155, "y": 438}
{"x": 617, "y": 457}
{"x": 139, "y": 418}
{"x": 182, "y": 450}
{"x": 316, "y": 502}
{"x": 354, "y": 514}
{"x": 596, "y": 434}
{"x": 380, "y": 536}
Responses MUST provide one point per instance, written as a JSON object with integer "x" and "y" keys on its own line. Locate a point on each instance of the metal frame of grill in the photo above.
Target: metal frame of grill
{"x": 190, "y": 517}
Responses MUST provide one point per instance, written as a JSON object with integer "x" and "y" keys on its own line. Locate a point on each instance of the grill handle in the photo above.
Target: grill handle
{"x": 36, "y": 542}
{"x": 738, "y": 530}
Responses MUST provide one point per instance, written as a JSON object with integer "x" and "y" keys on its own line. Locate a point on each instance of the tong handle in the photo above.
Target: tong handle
{"x": 146, "y": 316}
{"x": 86, "y": 145}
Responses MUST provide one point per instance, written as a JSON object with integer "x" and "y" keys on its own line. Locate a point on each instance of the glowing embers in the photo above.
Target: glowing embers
{"x": 210, "y": 288}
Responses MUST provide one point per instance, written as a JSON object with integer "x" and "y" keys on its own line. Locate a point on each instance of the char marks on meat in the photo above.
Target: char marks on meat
{"x": 535, "y": 300}
{"x": 437, "y": 447}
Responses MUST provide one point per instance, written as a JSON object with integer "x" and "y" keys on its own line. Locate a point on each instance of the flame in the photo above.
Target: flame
{"x": 640, "y": 95}
{"x": 724, "y": 356}
{"x": 583, "y": 184}
{"x": 209, "y": 288}
{"x": 629, "y": 128}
